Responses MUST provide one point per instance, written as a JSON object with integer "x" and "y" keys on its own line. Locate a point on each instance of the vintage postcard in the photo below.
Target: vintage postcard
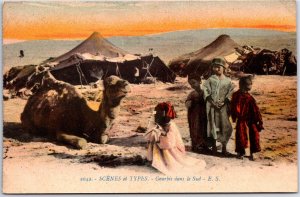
{"x": 149, "y": 96}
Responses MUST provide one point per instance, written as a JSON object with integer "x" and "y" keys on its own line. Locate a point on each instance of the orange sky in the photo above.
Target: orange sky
{"x": 73, "y": 20}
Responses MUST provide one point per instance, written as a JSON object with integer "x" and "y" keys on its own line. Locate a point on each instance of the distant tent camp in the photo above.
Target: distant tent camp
{"x": 96, "y": 58}
{"x": 267, "y": 62}
{"x": 240, "y": 59}
{"x": 199, "y": 61}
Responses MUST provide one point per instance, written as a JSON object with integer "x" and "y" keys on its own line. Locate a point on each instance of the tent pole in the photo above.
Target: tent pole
{"x": 82, "y": 74}
{"x": 79, "y": 74}
{"x": 118, "y": 71}
{"x": 148, "y": 66}
{"x": 283, "y": 73}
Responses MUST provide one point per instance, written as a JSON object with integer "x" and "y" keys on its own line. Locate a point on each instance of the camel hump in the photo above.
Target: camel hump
{"x": 50, "y": 83}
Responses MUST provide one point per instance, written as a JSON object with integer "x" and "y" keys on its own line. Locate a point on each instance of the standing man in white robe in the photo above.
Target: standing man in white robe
{"x": 217, "y": 93}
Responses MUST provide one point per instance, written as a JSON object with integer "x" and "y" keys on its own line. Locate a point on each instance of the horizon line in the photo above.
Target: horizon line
{"x": 6, "y": 41}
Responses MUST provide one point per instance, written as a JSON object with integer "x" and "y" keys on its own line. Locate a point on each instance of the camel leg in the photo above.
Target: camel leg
{"x": 73, "y": 140}
{"x": 104, "y": 138}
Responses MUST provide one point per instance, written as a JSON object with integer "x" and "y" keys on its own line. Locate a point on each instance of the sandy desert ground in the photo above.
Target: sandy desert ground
{"x": 33, "y": 164}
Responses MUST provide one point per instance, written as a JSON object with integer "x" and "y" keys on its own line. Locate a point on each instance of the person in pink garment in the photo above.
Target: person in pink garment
{"x": 166, "y": 149}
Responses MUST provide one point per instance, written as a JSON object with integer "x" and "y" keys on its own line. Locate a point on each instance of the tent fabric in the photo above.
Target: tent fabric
{"x": 77, "y": 58}
{"x": 95, "y": 45}
{"x": 199, "y": 61}
{"x": 96, "y": 58}
{"x": 93, "y": 70}
{"x": 232, "y": 57}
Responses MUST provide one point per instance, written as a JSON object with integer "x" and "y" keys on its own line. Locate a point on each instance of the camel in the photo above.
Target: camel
{"x": 58, "y": 110}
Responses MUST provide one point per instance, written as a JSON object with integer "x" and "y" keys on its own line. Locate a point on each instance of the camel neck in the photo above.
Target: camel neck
{"x": 106, "y": 109}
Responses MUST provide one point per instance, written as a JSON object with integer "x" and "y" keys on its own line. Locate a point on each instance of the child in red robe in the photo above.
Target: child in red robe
{"x": 246, "y": 114}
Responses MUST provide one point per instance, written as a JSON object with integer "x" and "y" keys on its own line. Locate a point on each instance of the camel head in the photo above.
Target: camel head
{"x": 115, "y": 89}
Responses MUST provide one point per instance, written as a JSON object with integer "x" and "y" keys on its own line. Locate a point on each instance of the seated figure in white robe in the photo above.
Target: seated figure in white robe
{"x": 166, "y": 149}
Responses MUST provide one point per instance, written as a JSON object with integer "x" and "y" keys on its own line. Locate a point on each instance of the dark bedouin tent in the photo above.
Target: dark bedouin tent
{"x": 96, "y": 58}
{"x": 199, "y": 61}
